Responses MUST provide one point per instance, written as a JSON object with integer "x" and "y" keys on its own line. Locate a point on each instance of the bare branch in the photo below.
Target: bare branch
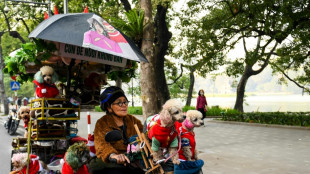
{"x": 7, "y": 21}
{"x": 244, "y": 45}
{"x": 27, "y": 28}
{"x": 16, "y": 34}
{"x": 175, "y": 80}
{"x": 126, "y": 5}
{"x": 266, "y": 61}
{"x": 290, "y": 79}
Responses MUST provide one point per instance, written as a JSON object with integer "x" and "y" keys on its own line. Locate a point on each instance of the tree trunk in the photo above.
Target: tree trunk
{"x": 162, "y": 38}
{"x": 147, "y": 78}
{"x": 3, "y": 97}
{"x": 191, "y": 87}
{"x": 118, "y": 82}
{"x": 126, "y": 5}
{"x": 241, "y": 88}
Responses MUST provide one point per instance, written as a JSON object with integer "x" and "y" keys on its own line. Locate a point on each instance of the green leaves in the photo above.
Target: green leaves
{"x": 132, "y": 25}
{"x": 30, "y": 52}
{"x": 235, "y": 68}
{"x": 126, "y": 74}
{"x": 281, "y": 118}
{"x": 228, "y": 23}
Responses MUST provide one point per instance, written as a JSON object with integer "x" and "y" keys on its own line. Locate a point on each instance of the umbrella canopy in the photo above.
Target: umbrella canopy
{"x": 86, "y": 36}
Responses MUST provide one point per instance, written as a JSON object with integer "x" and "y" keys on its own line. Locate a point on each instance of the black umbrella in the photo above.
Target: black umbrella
{"x": 86, "y": 36}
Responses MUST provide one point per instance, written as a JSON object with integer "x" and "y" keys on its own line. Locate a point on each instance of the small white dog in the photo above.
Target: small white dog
{"x": 162, "y": 132}
{"x": 44, "y": 80}
{"x": 193, "y": 119}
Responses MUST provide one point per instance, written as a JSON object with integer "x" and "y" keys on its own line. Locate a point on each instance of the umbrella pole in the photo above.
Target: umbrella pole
{"x": 72, "y": 62}
{"x": 78, "y": 76}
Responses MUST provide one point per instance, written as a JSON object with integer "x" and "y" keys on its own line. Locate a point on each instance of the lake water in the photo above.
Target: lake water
{"x": 282, "y": 103}
{"x": 262, "y": 103}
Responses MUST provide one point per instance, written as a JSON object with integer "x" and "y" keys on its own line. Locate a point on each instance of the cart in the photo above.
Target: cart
{"x": 53, "y": 121}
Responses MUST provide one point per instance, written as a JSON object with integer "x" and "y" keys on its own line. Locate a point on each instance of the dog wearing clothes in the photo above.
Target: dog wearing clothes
{"x": 24, "y": 114}
{"x": 19, "y": 162}
{"x": 188, "y": 153}
{"x": 44, "y": 80}
{"x": 162, "y": 132}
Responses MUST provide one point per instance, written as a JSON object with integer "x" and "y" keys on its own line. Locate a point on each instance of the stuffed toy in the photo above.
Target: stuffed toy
{"x": 24, "y": 114}
{"x": 76, "y": 158}
{"x": 92, "y": 86}
{"x": 190, "y": 163}
{"x": 19, "y": 161}
{"x": 44, "y": 80}
{"x": 162, "y": 132}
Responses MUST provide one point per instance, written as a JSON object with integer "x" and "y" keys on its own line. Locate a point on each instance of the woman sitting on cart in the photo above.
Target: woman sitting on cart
{"x": 115, "y": 103}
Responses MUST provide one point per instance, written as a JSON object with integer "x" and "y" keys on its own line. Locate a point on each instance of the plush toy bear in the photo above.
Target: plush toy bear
{"x": 45, "y": 79}
{"x": 92, "y": 86}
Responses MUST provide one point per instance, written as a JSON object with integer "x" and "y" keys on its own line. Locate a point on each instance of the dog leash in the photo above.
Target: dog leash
{"x": 179, "y": 144}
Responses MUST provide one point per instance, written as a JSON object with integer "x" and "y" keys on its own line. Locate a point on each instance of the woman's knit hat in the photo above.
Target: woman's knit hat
{"x": 109, "y": 95}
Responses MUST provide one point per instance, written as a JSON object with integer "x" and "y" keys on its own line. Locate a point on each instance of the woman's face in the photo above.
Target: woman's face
{"x": 108, "y": 27}
{"x": 119, "y": 106}
{"x": 201, "y": 92}
{"x": 98, "y": 27}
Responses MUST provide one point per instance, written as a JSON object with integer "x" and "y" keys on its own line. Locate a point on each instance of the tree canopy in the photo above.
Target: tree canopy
{"x": 280, "y": 30}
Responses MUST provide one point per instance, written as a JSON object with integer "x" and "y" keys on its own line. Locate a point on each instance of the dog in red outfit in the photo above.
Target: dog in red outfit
{"x": 19, "y": 162}
{"x": 45, "y": 79}
{"x": 162, "y": 130}
{"x": 188, "y": 150}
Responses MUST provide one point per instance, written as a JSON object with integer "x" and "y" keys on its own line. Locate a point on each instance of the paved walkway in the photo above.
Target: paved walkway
{"x": 244, "y": 149}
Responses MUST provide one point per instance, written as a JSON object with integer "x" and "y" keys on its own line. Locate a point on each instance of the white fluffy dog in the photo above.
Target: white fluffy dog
{"x": 162, "y": 132}
{"x": 45, "y": 79}
{"x": 193, "y": 119}
{"x": 47, "y": 75}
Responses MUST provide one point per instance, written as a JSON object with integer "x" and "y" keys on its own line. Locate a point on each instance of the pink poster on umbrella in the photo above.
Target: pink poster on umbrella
{"x": 104, "y": 37}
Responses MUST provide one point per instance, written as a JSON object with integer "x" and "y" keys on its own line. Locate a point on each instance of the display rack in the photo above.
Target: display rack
{"x": 42, "y": 130}
{"x": 44, "y": 138}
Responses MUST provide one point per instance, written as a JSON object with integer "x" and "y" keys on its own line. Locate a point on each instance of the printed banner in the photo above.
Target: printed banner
{"x": 88, "y": 54}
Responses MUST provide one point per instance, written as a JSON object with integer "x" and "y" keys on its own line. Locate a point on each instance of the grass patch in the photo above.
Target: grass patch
{"x": 186, "y": 108}
{"x": 280, "y": 118}
{"x": 213, "y": 111}
{"x": 98, "y": 109}
{"x": 137, "y": 110}
{"x": 131, "y": 110}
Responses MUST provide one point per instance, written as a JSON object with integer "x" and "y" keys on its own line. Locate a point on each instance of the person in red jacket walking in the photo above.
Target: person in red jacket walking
{"x": 201, "y": 103}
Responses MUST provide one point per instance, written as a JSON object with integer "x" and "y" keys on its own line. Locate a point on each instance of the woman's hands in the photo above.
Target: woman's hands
{"x": 120, "y": 158}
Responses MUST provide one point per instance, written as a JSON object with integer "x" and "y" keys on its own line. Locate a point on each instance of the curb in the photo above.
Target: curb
{"x": 261, "y": 125}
